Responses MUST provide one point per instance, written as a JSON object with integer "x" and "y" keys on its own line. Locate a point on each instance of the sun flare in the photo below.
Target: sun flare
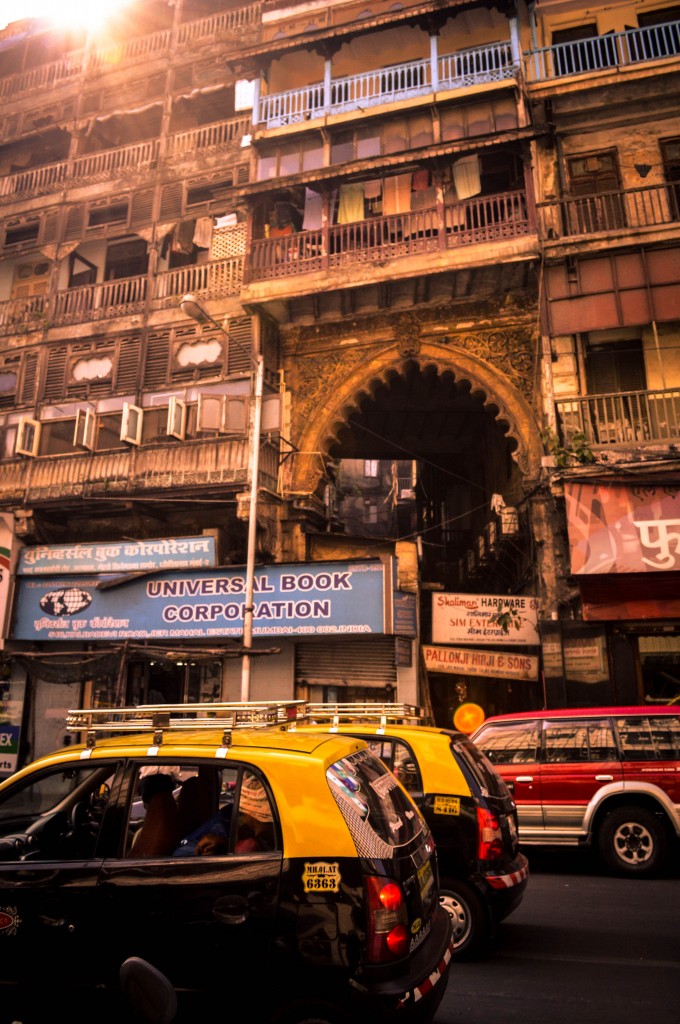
{"x": 67, "y": 14}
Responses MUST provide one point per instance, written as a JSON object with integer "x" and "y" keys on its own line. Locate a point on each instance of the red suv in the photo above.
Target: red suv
{"x": 606, "y": 776}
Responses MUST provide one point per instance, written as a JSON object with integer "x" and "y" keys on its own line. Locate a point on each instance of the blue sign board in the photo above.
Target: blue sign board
{"x": 315, "y": 599}
{"x": 118, "y": 556}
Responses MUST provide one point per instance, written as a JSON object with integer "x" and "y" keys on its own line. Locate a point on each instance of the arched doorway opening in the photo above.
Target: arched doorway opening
{"x": 435, "y": 449}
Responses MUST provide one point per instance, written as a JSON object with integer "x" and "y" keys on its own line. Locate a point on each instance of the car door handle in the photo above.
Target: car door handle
{"x": 524, "y": 778}
{"x": 604, "y": 778}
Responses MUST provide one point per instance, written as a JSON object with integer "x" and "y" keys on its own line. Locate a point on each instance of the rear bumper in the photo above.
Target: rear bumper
{"x": 414, "y": 998}
{"x": 505, "y": 889}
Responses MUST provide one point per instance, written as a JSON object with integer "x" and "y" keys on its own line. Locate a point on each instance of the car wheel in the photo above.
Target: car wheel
{"x": 471, "y": 930}
{"x": 633, "y": 841}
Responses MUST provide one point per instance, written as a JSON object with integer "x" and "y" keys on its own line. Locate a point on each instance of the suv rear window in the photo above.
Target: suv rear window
{"x": 377, "y": 811}
{"x": 656, "y": 738}
{"x": 591, "y": 740}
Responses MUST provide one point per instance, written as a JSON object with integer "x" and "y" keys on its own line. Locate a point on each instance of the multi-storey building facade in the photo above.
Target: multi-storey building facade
{"x": 452, "y": 232}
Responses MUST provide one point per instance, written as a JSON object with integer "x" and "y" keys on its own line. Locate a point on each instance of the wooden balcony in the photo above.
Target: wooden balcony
{"x": 215, "y": 462}
{"x": 474, "y": 66}
{"x": 622, "y": 418}
{"x": 475, "y": 221}
{"x": 626, "y": 209}
{"x": 227, "y": 25}
{"x": 604, "y": 53}
{"x": 124, "y": 297}
{"x": 109, "y": 164}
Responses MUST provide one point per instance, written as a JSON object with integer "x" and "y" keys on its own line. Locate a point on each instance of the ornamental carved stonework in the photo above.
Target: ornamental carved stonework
{"x": 407, "y": 334}
{"x": 317, "y": 376}
{"x": 511, "y": 352}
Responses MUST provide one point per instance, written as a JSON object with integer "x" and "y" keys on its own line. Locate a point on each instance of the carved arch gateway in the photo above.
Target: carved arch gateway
{"x": 337, "y": 385}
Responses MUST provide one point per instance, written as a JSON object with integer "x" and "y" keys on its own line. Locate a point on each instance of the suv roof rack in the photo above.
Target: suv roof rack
{"x": 160, "y": 718}
{"x": 365, "y": 712}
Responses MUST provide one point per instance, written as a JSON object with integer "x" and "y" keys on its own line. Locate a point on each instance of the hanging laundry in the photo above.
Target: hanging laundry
{"x": 183, "y": 237}
{"x": 311, "y": 220}
{"x": 229, "y": 220}
{"x": 203, "y": 232}
{"x": 351, "y": 206}
{"x": 397, "y": 194}
{"x": 466, "y": 175}
{"x": 373, "y": 189}
{"x": 421, "y": 179}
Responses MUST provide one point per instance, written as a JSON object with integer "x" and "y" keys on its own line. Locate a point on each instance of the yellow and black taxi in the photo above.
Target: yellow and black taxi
{"x": 283, "y": 875}
{"x": 465, "y": 802}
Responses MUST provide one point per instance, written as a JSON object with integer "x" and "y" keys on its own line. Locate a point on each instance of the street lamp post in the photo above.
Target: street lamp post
{"x": 191, "y": 308}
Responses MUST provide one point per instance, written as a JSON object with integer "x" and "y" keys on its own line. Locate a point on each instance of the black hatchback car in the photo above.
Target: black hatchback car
{"x": 465, "y": 802}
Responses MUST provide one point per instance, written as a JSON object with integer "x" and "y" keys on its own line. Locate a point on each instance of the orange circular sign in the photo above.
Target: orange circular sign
{"x": 468, "y": 717}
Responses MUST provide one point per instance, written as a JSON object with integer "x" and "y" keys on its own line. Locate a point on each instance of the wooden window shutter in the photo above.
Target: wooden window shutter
{"x": 171, "y": 201}
{"x": 240, "y": 330}
{"x": 141, "y": 208}
{"x": 29, "y": 379}
{"x": 54, "y": 384}
{"x": 49, "y": 229}
{"x": 157, "y": 356}
{"x": 128, "y": 365}
{"x": 75, "y": 222}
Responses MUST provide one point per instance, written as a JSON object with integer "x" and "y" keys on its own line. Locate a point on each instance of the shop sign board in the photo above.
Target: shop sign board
{"x": 623, "y": 528}
{"x": 467, "y": 619}
{"x": 118, "y": 556}
{"x": 319, "y": 598}
{"x": 468, "y": 662}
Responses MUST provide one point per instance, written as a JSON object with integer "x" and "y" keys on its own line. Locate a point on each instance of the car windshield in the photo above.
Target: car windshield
{"x": 378, "y": 812}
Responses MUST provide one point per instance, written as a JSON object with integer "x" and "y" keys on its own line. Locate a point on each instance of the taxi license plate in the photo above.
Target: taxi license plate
{"x": 425, "y": 879}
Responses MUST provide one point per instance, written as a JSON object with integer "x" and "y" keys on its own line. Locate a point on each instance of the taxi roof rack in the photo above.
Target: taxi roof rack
{"x": 161, "y": 718}
{"x": 367, "y": 711}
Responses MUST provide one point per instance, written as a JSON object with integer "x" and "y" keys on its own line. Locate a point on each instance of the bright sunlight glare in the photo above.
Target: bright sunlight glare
{"x": 66, "y": 13}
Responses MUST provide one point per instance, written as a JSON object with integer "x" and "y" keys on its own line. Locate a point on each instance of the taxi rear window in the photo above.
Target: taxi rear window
{"x": 477, "y": 767}
{"x": 373, "y": 804}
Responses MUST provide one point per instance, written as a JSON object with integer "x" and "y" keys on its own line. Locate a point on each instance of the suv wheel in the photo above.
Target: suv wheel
{"x": 633, "y": 841}
{"x": 471, "y": 932}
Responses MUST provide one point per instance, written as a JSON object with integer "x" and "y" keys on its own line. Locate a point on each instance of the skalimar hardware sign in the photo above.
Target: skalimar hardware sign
{"x": 478, "y": 619}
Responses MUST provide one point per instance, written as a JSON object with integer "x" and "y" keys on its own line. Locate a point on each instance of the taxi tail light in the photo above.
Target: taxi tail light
{"x": 387, "y": 931}
{"x": 489, "y": 835}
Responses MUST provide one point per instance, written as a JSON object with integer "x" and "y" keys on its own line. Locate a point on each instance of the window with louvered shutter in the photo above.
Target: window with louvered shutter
{"x": 128, "y": 365}
{"x": 171, "y": 201}
{"x": 54, "y": 383}
{"x": 240, "y": 330}
{"x": 75, "y": 222}
{"x": 49, "y": 229}
{"x": 157, "y": 355}
{"x": 141, "y": 208}
{"x": 29, "y": 379}
{"x": 616, "y": 367}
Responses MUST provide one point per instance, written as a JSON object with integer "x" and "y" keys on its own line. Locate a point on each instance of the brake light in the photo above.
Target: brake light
{"x": 489, "y": 836}
{"x": 387, "y": 932}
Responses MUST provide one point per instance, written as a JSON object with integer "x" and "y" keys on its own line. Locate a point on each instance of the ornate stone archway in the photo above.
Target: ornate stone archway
{"x": 329, "y": 384}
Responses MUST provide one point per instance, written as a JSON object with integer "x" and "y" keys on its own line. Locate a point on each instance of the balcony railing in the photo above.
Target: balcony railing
{"x": 217, "y": 135}
{"x": 46, "y": 76}
{"x": 634, "y": 208}
{"x": 20, "y": 315}
{"x": 197, "y": 463}
{"x": 124, "y": 297}
{"x": 100, "y": 301}
{"x": 109, "y": 163}
{"x": 213, "y": 280}
{"x": 474, "y": 66}
{"x": 474, "y": 221}
{"x": 600, "y": 53}
{"x": 622, "y": 417}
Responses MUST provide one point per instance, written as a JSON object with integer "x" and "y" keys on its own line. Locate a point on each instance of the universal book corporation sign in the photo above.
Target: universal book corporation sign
{"x": 320, "y": 598}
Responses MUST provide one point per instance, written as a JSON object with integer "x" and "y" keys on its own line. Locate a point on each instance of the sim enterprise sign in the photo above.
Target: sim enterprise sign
{"x": 315, "y": 599}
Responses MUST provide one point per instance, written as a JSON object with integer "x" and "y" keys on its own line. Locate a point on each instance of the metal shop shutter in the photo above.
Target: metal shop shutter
{"x": 348, "y": 660}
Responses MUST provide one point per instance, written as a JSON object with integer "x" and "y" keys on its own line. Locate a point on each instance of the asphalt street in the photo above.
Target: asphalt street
{"x": 583, "y": 946}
